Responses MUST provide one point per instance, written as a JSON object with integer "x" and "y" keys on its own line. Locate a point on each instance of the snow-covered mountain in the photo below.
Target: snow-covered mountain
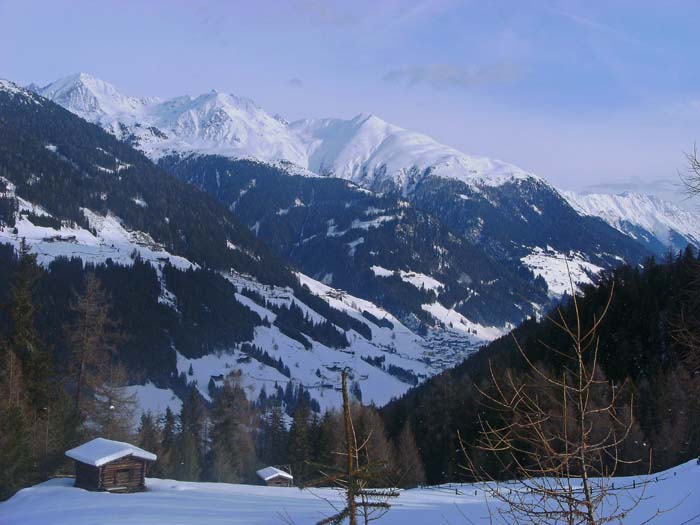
{"x": 378, "y": 155}
{"x": 212, "y": 123}
{"x": 510, "y": 214}
{"x": 365, "y": 149}
{"x": 650, "y": 220}
{"x": 81, "y": 200}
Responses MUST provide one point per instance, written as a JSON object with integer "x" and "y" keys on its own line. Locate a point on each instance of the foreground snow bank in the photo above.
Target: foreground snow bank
{"x": 173, "y": 502}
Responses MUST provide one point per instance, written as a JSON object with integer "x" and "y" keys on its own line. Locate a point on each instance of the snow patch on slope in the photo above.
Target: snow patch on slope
{"x": 555, "y": 267}
{"x": 417, "y": 279}
{"x": 153, "y": 400}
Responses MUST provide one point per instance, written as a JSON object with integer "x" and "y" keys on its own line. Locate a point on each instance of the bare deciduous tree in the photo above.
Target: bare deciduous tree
{"x": 560, "y": 434}
{"x": 691, "y": 176}
{"x": 92, "y": 338}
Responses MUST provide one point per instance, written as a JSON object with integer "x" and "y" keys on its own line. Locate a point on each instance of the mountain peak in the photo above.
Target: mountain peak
{"x": 90, "y": 97}
{"x": 365, "y": 149}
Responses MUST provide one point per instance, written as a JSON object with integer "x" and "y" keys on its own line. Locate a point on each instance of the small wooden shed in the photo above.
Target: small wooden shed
{"x": 274, "y": 477}
{"x": 114, "y": 466}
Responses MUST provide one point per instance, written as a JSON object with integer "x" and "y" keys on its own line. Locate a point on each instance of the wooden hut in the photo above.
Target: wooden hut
{"x": 103, "y": 464}
{"x": 274, "y": 477}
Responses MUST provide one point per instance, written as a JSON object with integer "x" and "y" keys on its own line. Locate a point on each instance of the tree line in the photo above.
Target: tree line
{"x": 228, "y": 439}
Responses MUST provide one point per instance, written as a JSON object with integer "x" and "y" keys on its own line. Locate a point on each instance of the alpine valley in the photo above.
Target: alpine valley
{"x": 290, "y": 250}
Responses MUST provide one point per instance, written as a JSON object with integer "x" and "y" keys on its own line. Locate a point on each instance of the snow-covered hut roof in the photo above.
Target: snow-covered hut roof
{"x": 268, "y": 473}
{"x": 100, "y": 451}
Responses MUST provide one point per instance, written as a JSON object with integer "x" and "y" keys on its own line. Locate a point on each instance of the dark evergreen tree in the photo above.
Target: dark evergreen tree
{"x": 274, "y": 438}
{"x": 26, "y": 343}
{"x": 300, "y": 443}
{"x": 149, "y": 438}
{"x": 188, "y": 448}
{"x": 232, "y": 456}
{"x": 167, "y": 443}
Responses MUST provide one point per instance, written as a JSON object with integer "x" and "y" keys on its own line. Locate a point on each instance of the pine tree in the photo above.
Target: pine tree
{"x": 26, "y": 342}
{"x": 15, "y": 457}
{"x": 274, "y": 438}
{"x": 300, "y": 452}
{"x": 233, "y": 448}
{"x": 187, "y": 463}
{"x": 188, "y": 448}
{"x": 168, "y": 436}
{"x": 149, "y": 438}
{"x": 326, "y": 437}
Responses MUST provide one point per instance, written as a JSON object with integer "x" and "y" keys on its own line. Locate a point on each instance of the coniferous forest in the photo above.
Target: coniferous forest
{"x": 644, "y": 352}
{"x": 46, "y": 363}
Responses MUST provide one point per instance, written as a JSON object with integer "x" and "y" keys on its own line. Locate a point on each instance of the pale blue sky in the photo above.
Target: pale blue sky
{"x": 579, "y": 92}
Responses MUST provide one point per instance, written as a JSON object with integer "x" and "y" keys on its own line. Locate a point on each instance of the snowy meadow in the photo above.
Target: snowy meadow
{"x": 673, "y": 496}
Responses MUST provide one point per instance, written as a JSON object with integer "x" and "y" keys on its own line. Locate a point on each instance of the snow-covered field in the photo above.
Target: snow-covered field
{"x": 56, "y": 502}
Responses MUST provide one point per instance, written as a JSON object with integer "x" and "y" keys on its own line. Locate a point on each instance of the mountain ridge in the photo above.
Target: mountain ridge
{"x": 219, "y": 123}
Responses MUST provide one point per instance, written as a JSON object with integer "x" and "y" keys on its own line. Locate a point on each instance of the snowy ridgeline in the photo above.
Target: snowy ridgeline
{"x": 676, "y": 491}
{"x": 223, "y": 124}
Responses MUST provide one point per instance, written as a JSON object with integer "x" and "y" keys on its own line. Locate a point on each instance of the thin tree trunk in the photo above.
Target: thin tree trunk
{"x": 352, "y": 508}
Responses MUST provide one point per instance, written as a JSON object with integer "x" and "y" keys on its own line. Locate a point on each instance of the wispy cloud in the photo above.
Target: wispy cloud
{"x": 599, "y": 27}
{"x": 295, "y": 82}
{"x": 444, "y": 76}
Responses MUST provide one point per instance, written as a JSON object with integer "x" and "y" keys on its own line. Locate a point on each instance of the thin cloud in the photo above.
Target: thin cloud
{"x": 596, "y": 26}
{"x": 295, "y": 82}
{"x": 445, "y": 76}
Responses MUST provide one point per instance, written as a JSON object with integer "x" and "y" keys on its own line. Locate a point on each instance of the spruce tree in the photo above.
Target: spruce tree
{"x": 274, "y": 438}
{"x": 168, "y": 436}
{"x": 149, "y": 438}
{"x": 188, "y": 448}
{"x": 26, "y": 342}
{"x": 300, "y": 451}
{"x": 232, "y": 456}
{"x": 15, "y": 457}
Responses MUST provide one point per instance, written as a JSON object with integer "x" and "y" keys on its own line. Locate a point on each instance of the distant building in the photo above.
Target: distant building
{"x": 274, "y": 477}
{"x": 103, "y": 464}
